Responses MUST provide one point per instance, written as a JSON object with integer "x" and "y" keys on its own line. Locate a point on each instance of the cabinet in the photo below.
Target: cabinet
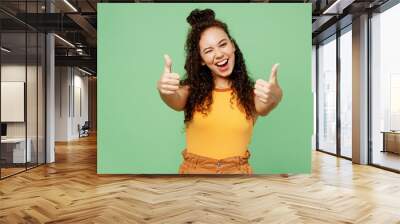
{"x": 13, "y": 150}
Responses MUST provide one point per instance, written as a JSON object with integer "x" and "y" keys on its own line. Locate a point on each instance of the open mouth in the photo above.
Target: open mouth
{"x": 221, "y": 64}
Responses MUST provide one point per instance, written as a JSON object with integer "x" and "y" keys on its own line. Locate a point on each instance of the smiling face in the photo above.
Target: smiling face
{"x": 217, "y": 51}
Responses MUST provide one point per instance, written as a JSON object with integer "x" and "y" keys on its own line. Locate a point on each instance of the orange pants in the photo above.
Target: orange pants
{"x": 195, "y": 164}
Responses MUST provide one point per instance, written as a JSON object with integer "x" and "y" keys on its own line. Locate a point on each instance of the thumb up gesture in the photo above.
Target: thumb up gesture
{"x": 268, "y": 92}
{"x": 169, "y": 81}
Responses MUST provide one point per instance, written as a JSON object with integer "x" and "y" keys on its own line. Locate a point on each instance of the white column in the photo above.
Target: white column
{"x": 50, "y": 92}
{"x": 360, "y": 90}
{"x": 50, "y": 100}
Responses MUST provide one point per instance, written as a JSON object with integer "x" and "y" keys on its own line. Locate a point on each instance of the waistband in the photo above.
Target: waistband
{"x": 194, "y": 158}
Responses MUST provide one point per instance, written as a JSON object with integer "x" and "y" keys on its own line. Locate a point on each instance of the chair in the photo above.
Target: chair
{"x": 84, "y": 130}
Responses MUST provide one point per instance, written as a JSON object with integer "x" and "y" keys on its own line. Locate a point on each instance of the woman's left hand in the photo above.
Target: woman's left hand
{"x": 267, "y": 93}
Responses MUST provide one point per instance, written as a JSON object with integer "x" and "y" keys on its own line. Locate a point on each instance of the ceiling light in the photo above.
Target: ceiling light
{"x": 84, "y": 71}
{"x": 337, "y": 7}
{"x": 71, "y": 6}
{"x": 5, "y": 50}
{"x": 64, "y": 40}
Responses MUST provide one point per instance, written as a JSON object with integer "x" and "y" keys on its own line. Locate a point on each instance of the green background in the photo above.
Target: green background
{"x": 139, "y": 134}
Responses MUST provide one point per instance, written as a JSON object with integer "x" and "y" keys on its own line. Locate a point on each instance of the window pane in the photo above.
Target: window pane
{"x": 327, "y": 96}
{"x": 386, "y": 89}
{"x": 346, "y": 94}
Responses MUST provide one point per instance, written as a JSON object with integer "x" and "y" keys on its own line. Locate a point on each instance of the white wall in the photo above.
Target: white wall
{"x": 80, "y": 109}
{"x": 62, "y": 81}
{"x": 14, "y": 72}
{"x": 12, "y": 101}
{"x": 70, "y": 83}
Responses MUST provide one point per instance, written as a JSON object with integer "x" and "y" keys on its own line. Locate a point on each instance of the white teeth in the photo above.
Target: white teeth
{"x": 222, "y": 62}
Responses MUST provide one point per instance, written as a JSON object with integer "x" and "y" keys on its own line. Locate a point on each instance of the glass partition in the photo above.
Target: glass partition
{"x": 14, "y": 153}
{"x": 22, "y": 77}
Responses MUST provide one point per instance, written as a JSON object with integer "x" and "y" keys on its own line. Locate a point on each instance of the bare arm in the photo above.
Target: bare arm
{"x": 176, "y": 101}
{"x": 171, "y": 92}
{"x": 262, "y": 108}
{"x": 268, "y": 94}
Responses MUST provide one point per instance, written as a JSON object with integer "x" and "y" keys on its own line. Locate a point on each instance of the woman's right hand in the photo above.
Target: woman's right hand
{"x": 169, "y": 81}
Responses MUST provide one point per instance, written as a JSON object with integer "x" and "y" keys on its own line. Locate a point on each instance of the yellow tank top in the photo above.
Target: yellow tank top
{"x": 223, "y": 132}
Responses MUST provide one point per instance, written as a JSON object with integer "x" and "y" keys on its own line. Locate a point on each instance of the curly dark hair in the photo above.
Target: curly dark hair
{"x": 198, "y": 77}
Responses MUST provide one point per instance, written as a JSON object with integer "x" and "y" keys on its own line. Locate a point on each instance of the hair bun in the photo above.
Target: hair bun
{"x": 199, "y": 16}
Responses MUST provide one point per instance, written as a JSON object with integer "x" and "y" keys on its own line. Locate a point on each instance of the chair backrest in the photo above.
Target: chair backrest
{"x": 86, "y": 125}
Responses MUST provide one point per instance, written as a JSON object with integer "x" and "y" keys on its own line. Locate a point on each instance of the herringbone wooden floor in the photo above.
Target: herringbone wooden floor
{"x": 70, "y": 191}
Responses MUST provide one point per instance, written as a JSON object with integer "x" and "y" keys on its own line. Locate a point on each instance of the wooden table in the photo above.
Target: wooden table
{"x": 391, "y": 141}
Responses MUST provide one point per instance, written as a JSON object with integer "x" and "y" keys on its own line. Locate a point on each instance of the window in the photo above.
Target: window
{"x": 327, "y": 95}
{"x": 385, "y": 88}
{"x": 346, "y": 92}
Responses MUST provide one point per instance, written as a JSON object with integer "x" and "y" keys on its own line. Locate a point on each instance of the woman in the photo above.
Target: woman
{"x": 220, "y": 101}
